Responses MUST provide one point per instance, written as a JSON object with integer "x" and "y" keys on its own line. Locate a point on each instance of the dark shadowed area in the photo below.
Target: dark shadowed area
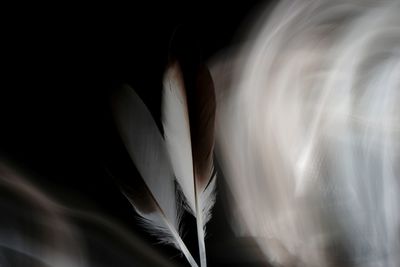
{"x": 62, "y": 64}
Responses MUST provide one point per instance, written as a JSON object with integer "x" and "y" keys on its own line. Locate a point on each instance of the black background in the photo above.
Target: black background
{"x": 61, "y": 65}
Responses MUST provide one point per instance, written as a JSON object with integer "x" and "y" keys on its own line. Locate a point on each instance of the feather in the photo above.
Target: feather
{"x": 154, "y": 197}
{"x": 189, "y": 135}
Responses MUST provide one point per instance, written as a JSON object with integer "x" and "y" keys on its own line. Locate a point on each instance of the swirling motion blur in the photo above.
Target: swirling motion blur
{"x": 35, "y": 230}
{"x": 309, "y": 133}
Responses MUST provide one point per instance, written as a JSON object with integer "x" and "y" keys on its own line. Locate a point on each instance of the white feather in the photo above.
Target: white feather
{"x": 147, "y": 150}
{"x": 175, "y": 117}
